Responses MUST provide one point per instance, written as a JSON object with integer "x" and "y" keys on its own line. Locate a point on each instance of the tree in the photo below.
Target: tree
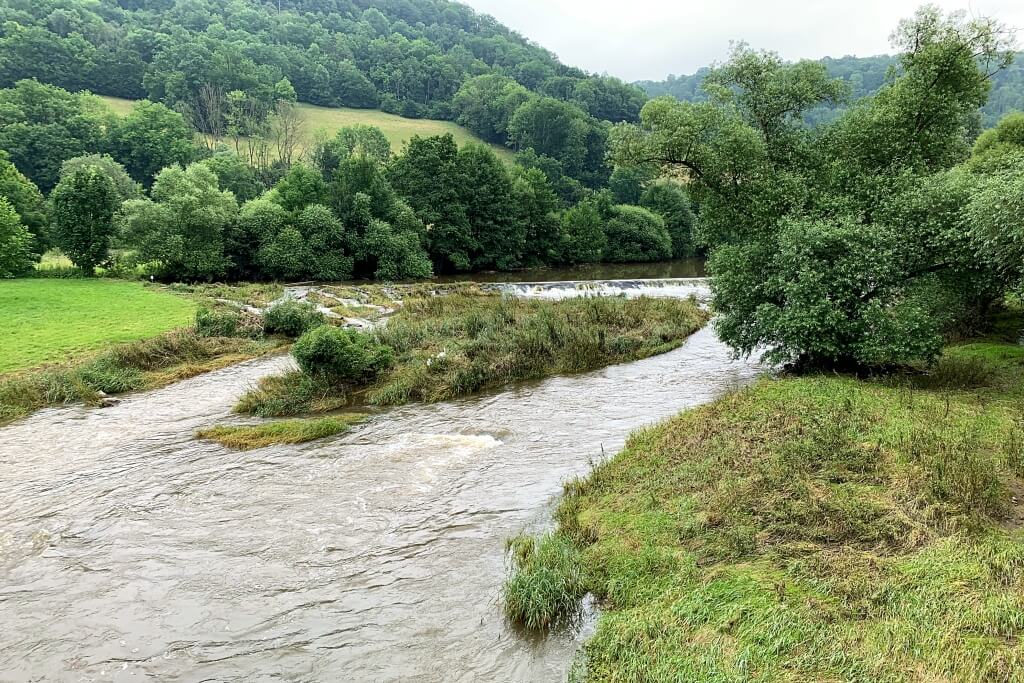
{"x": 234, "y": 175}
{"x": 301, "y": 187}
{"x": 83, "y": 209}
{"x": 536, "y": 208}
{"x": 426, "y": 175}
{"x": 25, "y": 198}
{"x": 16, "y": 252}
{"x": 995, "y": 215}
{"x": 628, "y": 184}
{"x": 328, "y": 245}
{"x": 635, "y": 234}
{"x": 152, "y": 137}
{"x": 362, "y": 140}
{"x": 485, "y": 105}
{"x": 669, "y": 200}
{"x": 552, "y": 128}
{"x": 488, "y": 203}
{"x": 124, "y": 186}
{"x": 41, "y": 126}
{"x": 183, "y": 227}
{"x": 828, "y": 245}
{"x": 583, "y": 239}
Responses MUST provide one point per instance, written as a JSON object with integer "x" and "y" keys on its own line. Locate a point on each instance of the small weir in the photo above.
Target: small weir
{"x": 130, "y": 551}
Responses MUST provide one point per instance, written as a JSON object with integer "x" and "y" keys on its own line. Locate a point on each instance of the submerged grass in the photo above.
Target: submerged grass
{"x": 249, "y": 437}
{"x": 816, "y": 528}
{"x": 464, "y": 342}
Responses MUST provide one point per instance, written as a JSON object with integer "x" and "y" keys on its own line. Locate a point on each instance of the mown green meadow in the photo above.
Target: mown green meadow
{"x": 53, "y": 320}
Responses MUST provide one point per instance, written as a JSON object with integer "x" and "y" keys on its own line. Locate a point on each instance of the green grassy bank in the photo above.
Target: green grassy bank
{"x": 466, "y": 341}
{"x": 49, "y": 321}
{"x": 817, "y": 528}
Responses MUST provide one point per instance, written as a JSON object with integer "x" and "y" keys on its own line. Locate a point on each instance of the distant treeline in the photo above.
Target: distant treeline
{"x": 864, "y": 76}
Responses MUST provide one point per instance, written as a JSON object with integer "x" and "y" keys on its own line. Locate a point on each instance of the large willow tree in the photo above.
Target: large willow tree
{"x": 844, "y": 244}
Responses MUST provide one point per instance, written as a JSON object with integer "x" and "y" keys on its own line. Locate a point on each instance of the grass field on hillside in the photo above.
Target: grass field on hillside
{"x": 398, "y": 130}
{"x": 48, "y": 321}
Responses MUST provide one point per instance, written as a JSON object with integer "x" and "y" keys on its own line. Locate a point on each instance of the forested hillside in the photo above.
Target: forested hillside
{"x": 864, "y": 76}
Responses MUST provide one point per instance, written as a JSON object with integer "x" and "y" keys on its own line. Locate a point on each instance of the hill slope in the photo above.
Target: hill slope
{"x": 397, "y": 129}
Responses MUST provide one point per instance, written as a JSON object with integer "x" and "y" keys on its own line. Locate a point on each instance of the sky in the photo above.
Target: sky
{"x": 650, "y": 39}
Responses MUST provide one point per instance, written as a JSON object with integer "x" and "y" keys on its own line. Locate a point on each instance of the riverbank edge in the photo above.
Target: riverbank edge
{"x": 805, "y": 528}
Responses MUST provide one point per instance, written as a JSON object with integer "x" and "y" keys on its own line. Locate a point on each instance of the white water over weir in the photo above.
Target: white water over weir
{"x": 131, "y": 552}
{"x": 668, "y": 288}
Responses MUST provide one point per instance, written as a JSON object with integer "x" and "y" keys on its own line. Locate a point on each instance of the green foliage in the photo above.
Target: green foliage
{"x": 83, "y": 209}
{"x": 235, "y": 176}
{"x": 183, "y": 226}
{"x": 629, "y": 183}
{"x": 41, "y": 126}
{"x": 360, "y": 140}
{"x": 226, "y": 323}
{"x": 994, "y": 213}
{"x": 635, "y": 234}
{"x": 16, "y": 254}
{"x": 397, "y": 255}
{"x": 536, "y": 213}
{"x": 301, "y": 187}
{"x": 124, "y": 186}
{"x": 843, "y": 245}
{"x": 292, "y": 319}
{"x": 151, "y": 138}
{"x": 669, "y": 200}
{"x": 485, "y": 104}
{"x": 326, "y": 242}
{"x": 25, "y": 198}
{"x": 583, "y": 239}
{"x": 341, "y": 355}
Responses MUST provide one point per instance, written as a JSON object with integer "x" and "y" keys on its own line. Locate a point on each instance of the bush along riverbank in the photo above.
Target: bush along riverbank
{"x": 804, "y": 529}
{"x": 439, "y": 347}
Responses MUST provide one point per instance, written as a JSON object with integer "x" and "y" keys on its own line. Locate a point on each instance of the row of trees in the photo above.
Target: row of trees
{"x": 860, "y": 242}
{"x": 353, "y": 210}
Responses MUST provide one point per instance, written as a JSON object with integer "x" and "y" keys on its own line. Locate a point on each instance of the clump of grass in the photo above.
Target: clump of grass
{"x": 448, "y": 346}
{"x": 546, "y": 586}
{"x": 810, "y": 528}
{"x": 258, "y": 295}
{"x": 249, "y": 437}
{"x": 294, "y": 393}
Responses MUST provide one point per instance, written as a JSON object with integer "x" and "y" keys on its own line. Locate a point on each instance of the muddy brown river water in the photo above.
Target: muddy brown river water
{"x": 131, "y": 552}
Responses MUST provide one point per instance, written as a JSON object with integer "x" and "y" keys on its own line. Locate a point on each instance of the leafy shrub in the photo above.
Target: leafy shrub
{"x": 292, "y": 319}
{"x": 635, "y": 234}
{"x": 341, "y": 355}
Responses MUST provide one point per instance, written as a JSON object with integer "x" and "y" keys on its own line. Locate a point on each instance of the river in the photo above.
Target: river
{"x": 129, "y": 551}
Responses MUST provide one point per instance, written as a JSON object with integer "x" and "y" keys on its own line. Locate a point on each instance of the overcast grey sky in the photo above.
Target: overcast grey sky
{"x": 649, "y": 39}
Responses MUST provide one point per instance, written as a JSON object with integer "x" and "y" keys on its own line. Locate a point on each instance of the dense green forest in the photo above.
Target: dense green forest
{"x": 416, "y": 58}
{"x": 208, "y": 176}
{"x": 863, "y": 76}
